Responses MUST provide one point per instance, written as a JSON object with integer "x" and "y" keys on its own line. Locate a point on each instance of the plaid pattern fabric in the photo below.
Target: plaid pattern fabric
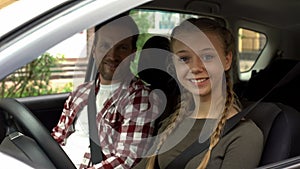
{"x": 124, "y": 124}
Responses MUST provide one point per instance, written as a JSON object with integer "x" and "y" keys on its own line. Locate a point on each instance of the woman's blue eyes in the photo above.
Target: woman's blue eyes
{"x": 183, "y": 59}
{"x": 207, "y": 57}
{"x": 204, "y": 58}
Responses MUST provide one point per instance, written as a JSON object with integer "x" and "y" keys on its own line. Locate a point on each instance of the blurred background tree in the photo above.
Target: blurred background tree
{"x": 32, "y": 79}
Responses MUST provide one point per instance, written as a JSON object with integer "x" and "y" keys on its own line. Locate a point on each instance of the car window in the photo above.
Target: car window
{"x": 151, "y": 22}
{"x": 58, "y": 70}
{"x": 250, "y": 45}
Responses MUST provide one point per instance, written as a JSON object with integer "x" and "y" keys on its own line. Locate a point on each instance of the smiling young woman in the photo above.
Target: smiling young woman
{"x": 203, "y": 51}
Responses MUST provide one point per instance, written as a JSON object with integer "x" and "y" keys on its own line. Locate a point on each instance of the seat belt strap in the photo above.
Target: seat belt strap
{"x": 96, "y": 152}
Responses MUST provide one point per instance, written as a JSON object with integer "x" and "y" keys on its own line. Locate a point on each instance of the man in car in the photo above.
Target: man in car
{"x": 125, "y": 108}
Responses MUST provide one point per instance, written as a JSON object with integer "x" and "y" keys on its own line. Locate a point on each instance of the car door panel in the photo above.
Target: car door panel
{"x": 46, "y": 108}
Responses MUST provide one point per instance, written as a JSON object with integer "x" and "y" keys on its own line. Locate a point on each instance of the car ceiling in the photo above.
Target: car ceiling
{"x": 283, "y": 14}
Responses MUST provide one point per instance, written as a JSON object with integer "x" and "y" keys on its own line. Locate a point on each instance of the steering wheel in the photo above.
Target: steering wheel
{"x": 38, "y": 131}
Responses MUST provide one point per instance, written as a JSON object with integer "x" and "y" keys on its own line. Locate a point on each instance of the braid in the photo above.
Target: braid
{"x": 170, "y": 124}
{"x": 215, "y": 137}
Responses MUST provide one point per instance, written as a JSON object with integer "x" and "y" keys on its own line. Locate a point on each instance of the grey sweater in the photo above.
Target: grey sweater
{"x": 241, "y": 148}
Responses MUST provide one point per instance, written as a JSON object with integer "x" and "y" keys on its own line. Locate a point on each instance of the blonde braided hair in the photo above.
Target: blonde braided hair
{"x": 215, "y": 137}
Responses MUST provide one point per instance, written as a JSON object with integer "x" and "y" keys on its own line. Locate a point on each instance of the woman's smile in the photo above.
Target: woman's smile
{"x": 199, "y": 82}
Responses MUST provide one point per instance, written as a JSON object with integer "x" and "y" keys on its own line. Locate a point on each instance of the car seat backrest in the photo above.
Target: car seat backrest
{"x": 280, "y": 125}
{"x": 152, "y": 68}
{"x": 262, "y": 82}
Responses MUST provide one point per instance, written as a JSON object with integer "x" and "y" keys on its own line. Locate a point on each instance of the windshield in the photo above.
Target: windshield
{"x": 15, "y": 13}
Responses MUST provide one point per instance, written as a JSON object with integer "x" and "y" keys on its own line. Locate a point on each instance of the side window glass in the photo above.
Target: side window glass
{"x": 154, "y": 22}
{"x": 250, "y": 45}
{"x": 58, "y": 70}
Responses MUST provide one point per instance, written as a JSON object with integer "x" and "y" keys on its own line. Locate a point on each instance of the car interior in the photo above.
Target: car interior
{"x": 268, "y": 84}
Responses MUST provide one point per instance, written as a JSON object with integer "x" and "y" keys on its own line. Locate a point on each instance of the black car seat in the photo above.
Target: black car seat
{"x": 280, "y": 125}
{"x": 263, "y": 81}
{"x": 277, "y": 112}
{"x": 152, "y": 68}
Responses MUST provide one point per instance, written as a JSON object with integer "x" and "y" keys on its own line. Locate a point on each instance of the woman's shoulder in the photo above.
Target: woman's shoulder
{"x": 247, "y": 123}
{"x": 245, "y": 135}
{"x": 247, "y": 128}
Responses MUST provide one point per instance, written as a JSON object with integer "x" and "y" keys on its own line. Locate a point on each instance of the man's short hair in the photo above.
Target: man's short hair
{"x": 123, "y": 20}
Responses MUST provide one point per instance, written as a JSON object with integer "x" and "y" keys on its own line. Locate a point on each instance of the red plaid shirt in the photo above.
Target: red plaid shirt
{"x": 123, "y": 124}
